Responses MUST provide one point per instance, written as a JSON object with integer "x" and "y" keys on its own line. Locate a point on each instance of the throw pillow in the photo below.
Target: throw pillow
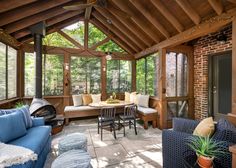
{"x": 87, "y": 99}
{"x": 127, "y": 96}
{"x": 26, "y": 114}
{"x": 12, "y": 126}
{"x": 143, "y": 100}
{"x": 205, "y": 128}
{"x": 77, "y": 100}
{"x": 133, "y": 97}
{"x": 96, "y": 98}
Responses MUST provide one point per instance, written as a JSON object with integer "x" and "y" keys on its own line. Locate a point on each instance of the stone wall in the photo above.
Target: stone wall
{"x": 203, "y": 47}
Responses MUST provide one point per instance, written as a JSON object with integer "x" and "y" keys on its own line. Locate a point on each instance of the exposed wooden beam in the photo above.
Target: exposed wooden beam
{"x": 73, "y": 41}
{"x": 217, "y": 6}
{"x": 206, "y": 27}
{"x": 150, "y": 17}
{"x": 49, "y": 22}
{"x": 232, "y": 1}
{"x": 31, "y": 20}
{"x": 116, "y": 31}
{"x": 109, "y": 34}
{"x": 121, "y": 27}
{"x": 28, "y": 10}
{"x": 189, "y": 10}
{"x": 6, "y": 38}
{"x": 168, "y": 15}
{"x": 100, "y": 43}
{"x": 135, "y": 17}
{"x": 86, "y": 34}
{"x": 133, "y": 27}
{"x": 233, "y": 111}
{"x": 7, "y": 5}
{"x": 88, "y": 11}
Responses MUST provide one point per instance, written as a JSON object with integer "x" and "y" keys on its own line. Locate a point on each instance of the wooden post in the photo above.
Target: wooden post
{"x": 20, "y": 74}
{"x": 133, "y": 87}
{"x": 104, "y": 78}
{"x": 67, "y": 81}
{"x": 162, "y": 89}
{"x": 233, "y": 150}
{"x": 86, "y": 34}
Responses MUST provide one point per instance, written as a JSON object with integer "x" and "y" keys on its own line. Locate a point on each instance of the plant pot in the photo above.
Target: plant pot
{"x": 205, "y": 162}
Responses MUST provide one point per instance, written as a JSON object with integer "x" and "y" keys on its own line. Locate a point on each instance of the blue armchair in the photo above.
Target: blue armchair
{"x": 175, "y": 147}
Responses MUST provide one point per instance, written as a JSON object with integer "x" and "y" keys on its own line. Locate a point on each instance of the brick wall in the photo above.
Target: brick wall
{"x": 204, "y": 47}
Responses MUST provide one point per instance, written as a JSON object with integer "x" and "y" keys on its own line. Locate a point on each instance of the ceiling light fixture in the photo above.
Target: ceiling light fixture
{"x": 108, "y": 56}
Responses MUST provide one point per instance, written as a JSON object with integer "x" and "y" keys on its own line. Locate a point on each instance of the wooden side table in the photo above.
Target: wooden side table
{"x": 232, "y": 149}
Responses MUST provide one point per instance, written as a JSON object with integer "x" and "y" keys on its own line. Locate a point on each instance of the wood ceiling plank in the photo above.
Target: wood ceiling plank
{"x": 232, "y": 1}
{"x": 28, "y": 10}
{"x": 217, "y": 6}
{"x": 189, "y": 10}
{"x": 70, "y": 39}
{"x": 206, "y": 27}
{"x": 88, "y": 11}
{"x": 121, "y": 27}
{"x": 141, "y": 23}
{"x": 150, "y": 17}
{"x": 168, "y": 15}
{"x": 115, "y": 31}
{"x": 93, "y": 47}
{"x": 109, "y": 34}
{"x": 7, "y": 5}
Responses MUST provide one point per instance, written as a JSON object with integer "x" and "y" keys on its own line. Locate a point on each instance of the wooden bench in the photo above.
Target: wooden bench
{"x": 148, "y": 114}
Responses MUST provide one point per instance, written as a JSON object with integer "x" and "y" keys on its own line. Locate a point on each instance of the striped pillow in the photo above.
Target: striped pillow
{"x": 24, "y": 110}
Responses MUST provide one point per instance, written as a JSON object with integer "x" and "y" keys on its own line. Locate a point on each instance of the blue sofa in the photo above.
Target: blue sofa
{"x": 175, "y": 148}
{"x": 18, "y": 128}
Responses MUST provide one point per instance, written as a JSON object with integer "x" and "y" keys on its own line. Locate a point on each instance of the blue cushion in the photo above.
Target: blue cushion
{"x": 35, "y": 139}
{"x": 24, "y": 110}
{"x": 11, "y": 127}
{"x": 225, "y": 131}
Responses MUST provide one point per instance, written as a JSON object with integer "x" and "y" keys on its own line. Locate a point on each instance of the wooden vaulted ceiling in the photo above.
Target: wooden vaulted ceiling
{"x": 150, "y": 22}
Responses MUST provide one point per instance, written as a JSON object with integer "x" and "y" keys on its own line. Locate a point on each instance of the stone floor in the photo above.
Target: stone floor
{"x": 143, "y": 150}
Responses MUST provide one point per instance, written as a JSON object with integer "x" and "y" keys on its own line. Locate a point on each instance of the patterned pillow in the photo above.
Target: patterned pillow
{"x": 24, "y": 110}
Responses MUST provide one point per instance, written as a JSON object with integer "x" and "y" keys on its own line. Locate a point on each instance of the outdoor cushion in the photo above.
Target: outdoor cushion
{"x": 35, "y": 139}
{"x": 205, "y": 128}
{"x": 24, "y": 110}
{"x": 143, "y": 100}
{"x": 127, "y": 96}
{"x": 96, "y": 98}
{"x": 146, "y": 110}
{"x": 12, "y": 126}
{"x": 79, "y": 108}
{"x": 87, "y": 99}
{"x": 77, "y": 100}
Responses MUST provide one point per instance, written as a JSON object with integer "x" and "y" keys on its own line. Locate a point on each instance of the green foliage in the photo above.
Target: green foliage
{"x": 110, "y": 46}
{"x": 19, "y": 104}
{"x": 76, "y": 31}
{"x": 95, "y": 35}
{"x": 206, "y": 146}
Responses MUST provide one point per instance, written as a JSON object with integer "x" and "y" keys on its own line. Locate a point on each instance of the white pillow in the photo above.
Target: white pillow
{"x": 143, "y": 100}
{"x": 96, "y": 98}
{"x": 77, "y": 100}
{"x": 127, "y": 96}
{"x": 133, "y": 96}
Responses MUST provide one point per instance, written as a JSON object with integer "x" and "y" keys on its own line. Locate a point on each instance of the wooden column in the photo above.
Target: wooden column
{"x": 104, "y": 78}
{"x": 162, "y": 90}
{"x": 20, "y": 74}
{"x": 232, "y": 115}
{"x": 232, "y": 149}
{"x": 133, "y": 88}
{"x": 86, "y": 34}
{"x": 67, "y": 80}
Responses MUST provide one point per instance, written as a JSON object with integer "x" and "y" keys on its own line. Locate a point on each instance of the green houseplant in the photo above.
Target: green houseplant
{"x": 206, "y": 149}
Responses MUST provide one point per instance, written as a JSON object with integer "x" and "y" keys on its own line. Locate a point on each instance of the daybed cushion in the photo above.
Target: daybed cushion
{"x": 79, "y": 108}
{"x": 35, "y": 139}
{"x": 77, "y": 100}
{"x": 146, "y": 110}
{"x": 205, "y": 128}
{"x": 12, "y": 127}
{"x": 24, "y": 110}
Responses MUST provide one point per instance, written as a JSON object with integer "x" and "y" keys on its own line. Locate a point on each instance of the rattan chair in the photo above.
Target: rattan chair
{"x": 129, "y": 117}
{"x": 107, "y": 119}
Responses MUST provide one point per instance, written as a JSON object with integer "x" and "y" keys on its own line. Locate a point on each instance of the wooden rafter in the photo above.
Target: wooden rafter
{"x": 86, "y": 34}
{"x": 88, "y": 11}
{"x": 73, "y": 41}
{"x": 28, "y": 10}
{"x": 189, "y": 10}
{"x": 217, "y": 6}
{"x": 6, "y": 38}
{"x": 151, "y": 18}
{"x": 116, "y": 31}
{"x": 49, "y": 22}
{"x": 109, "y": 34}
{"x": 7, "y": 5}
{"x": 141, "y": 23}
{"x": 100, "y": 43}
{"x": 232, "y": 1}
{"x": 121, "y": 27}
{"x": 204, "y": 28}
{"x": 168, "y": 15}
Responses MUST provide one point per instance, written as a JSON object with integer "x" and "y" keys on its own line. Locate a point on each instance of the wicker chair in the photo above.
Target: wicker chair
{"x": 107, "y": 119}
{"x": 175, "y": 147}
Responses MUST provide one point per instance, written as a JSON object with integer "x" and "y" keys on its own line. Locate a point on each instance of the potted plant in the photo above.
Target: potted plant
{"x": 206, "y": 150}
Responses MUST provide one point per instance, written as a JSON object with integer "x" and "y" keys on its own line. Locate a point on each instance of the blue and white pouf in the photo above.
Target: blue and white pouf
{"x": 72, "y": 141}
{"x": 73, "y": 159}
